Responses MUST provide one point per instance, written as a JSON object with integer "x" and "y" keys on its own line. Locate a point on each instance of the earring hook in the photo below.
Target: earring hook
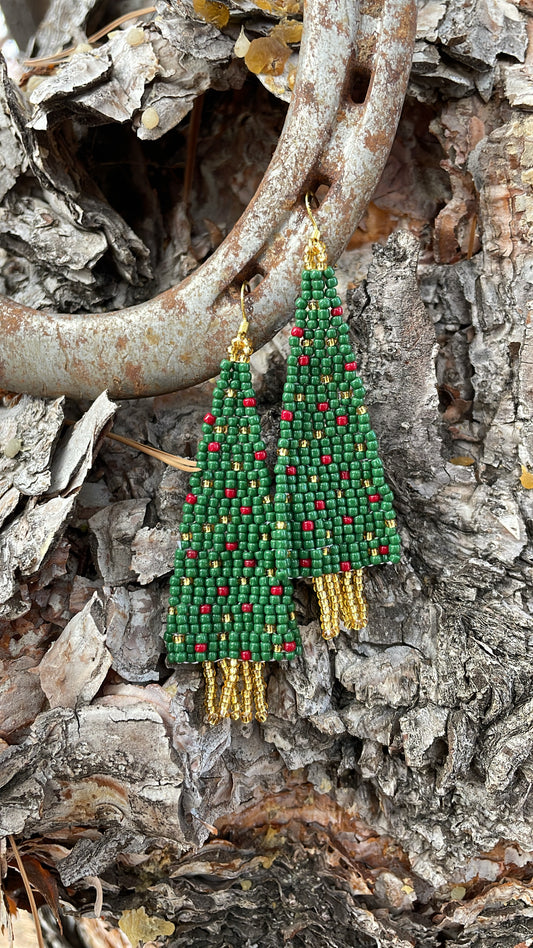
{"x": 308, "y": 197}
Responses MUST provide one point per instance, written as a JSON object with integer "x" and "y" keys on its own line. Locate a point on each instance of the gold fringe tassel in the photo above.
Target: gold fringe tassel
{"x": 239, "y": 704}
{"x": 340, "y": 597}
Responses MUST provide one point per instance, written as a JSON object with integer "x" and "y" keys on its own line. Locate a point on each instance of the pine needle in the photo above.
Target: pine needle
{"x": 29, "y": 892}
{"x": 65, "y": 53}
{"x": 183, "y": 464}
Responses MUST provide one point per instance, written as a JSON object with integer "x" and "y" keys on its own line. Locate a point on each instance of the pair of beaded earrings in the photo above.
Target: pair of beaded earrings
{"x": 330, "y": 514}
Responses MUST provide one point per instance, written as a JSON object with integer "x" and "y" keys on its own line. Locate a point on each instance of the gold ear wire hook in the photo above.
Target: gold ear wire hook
{"x": 240, "y": 349}
{"x": 243, "y": 328}
{"x": 309, "y": 195}
{"x": 315, "y": 257}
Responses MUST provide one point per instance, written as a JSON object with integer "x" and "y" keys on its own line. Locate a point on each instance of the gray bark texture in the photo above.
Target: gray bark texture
{"x": 386, "y": 801}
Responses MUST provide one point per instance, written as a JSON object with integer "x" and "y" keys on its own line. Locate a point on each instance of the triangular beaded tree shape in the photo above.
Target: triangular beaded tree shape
{"x": 333, "y": 506}
{"x": 228, "y": 604}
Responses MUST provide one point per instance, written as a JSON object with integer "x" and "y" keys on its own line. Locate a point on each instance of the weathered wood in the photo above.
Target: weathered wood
{"x": 387, "y": 799}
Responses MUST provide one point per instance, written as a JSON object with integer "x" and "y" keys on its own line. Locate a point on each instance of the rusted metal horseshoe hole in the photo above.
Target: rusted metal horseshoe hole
{"x": 330, "y": 143}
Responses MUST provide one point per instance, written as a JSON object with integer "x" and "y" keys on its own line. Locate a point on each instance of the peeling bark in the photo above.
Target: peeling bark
{"x": 387, "y": 799}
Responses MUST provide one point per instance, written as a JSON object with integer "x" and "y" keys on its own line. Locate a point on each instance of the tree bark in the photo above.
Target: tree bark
{"x": 386, "y": 801}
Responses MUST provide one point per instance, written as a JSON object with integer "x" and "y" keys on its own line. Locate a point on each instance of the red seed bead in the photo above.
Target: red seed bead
{"x": 247, "y": 607}
{"x": 289, "y": 646}
{"x": 213, "y": 446}
{"x": 323, "y": 406}
{"x": 260, "y": 455}
{"x": 230, "y": 492}
{"x": 249, "y": 402}
{"x": 346, "y": 566}
{"x": 297, "y": 331}
{"x": 245, "y": 510}
{"x": 383, "y": 550}
{"x": 326, "y": 459}
{"x": 303, "y": 360}
{"x": 232, "y": 546}
{"x": 209, "y": 418}
{"x": 205, "y": 609}
{"x": 345, "y": 475}
{"x": 191, "y": 499}
{"x": 320, "y": 505}
{"x": 308, "y": 525}
{"x": 290, "y": 470}
{"x": 286, "y": 415}
{"x": 347, "y": 519}
{"x": 191, "y": 554}
{"x": 304, "y": 563}
{"x": 201, "y": 647}
{"x": 373, "y": 498}
{"x": 342, "y": 419}
{"x": 276, "y": 590}
{"x": 350, "y": 366}
{"x": 223, "y": 590}
{"x": 337, "y": 311}
{"x": 245, "y": 655}
{"x": 250, "y": 563}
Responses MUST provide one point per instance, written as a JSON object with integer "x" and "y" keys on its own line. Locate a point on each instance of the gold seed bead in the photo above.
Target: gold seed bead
{"x": 318, "y": 435}
{"x": 222, "y": 637}
{"x": 265, "y": 536}
{"x": 325, "y": 550}
{"x": 283, "y": 452}
{"x": 172, "y": 611}
{"x": 347, "y": 394}
{"x": 307, "y": 342}
{"x": 236, "y": 466}
{"x": 373, "y": 552}
{"x": 299, "y": 397}
{"x": 207, "y": 483}
{"x": 340, "y": 493}
{"x": 328, "y": 534}
{"x": 361, "y": 410}
{"x": 225, "y": 518}
{"x": 271, "y": 572}
{"x": 369, "y": 536}
{"x": 226, "y": 617}
{"x": 221, "y": 429}
{"x": 292, "y": 615}
{"x": 366, "y": 483}
{"x": 359, "y": 446}
{"x": 280, "y": 524}
{"x": 186, "y": 536}
{"x": 325, "y": 379}
{"x": 313, "y": 304}
{"x": 390, "y": 523}
{"x": 178, "y": 639}
{"x": 253, "y": 483}
{"x": 303, "y": 443}
{"x": 270, "y": 629}
{"x": 231, "y": 393}
{"x": 214, "y": 564}
{"x": 187, "y": 581}
{"x": 313, "y": 479}
{"x": 331, "y": 342}
{"x": 243, "y": 581}
{"x": 207, "y": 527}
{"x": 267, "y": 499}
{"x": 244, "y": 430}
{"x": 278, "y": 648}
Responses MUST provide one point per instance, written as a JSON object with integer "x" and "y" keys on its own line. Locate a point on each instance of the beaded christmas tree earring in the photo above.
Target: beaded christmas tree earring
{"x": 333, "y": 507}
{"x": 229, "y": 606}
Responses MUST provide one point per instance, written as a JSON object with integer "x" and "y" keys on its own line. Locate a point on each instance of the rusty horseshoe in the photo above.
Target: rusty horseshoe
{"x": 329, "y": 138}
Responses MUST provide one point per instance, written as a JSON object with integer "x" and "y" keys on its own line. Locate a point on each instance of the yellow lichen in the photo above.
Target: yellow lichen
{"x": 139, "y": 927}
{"x": 462, "y": 460}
